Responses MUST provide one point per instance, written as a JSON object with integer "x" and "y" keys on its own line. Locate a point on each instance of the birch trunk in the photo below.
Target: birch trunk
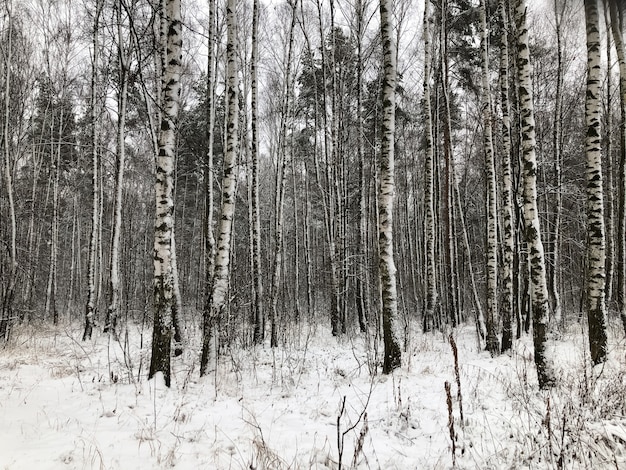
{"x": 329, "y": 192}
{"x": 209, "y": 238}
{"x": 491, "y": 256}
{"x": 361, "y": 278}
{"x": 553, "y": 279}
{"x": 219, "y": 291}
{"x": 532, "y": 229}
{"x": 90, "y": 306}
{"x": 387, "y": 268}
{"x": 596, "y": 251}
{"x": 617, "y": 27}
{"x": 429, "y": 196}
{"x": 164, "y": 192}
{"x": 608, "y": 142}
{"x": 281, "y": 181}
{"x": 114, "y": 303}
{"x": 507, "y": 187}
{"x": 257, "y": 284}
{"x": 6, "y": 315}
{"x": 51, "y": 290}
{"x": 450, "y": 247}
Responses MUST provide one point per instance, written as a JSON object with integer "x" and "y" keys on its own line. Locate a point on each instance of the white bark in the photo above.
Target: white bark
{"x": 596, "y": 250}
{"x": 229, "y": 186}
{"x": 259, "y": 321}
{"x": 507, "y": 186}
{"x": 490, "y": 176}
{"x": 6, "y": 313}
{"x": 429, "y": 190}
{"x": 532, "y": 229}
{"x": 122, "y": 98}
{"x": 90, "y": 307}
{"x": 386, "y": 196}
{"x": 281, "y": 176}
{"x": 164, "y": 192}
{"x": 617, "y": 28}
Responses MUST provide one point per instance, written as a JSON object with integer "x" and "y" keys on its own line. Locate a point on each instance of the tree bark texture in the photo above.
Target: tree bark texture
{"x": 491, "y": 256}
{"x": 164, "y": 192}
{"x": 387, "y": 268}
{"x": 532, "y": 230}
{"x": 219, "y": 290}
{"x": 596, "y": 250}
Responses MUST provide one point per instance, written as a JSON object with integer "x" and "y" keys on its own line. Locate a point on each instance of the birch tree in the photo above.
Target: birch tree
{"x": 122, "y": 99}
{"x": 508, "y": 234}
{"x": 493, "y": 345}
{"x": 617, "y": 27}
{"x": 386, "y": 195}
{"x": 596, "y": 251}
{"x": 532, "y": 229}
{"x": 362, "y": 304}
{"x": 281, "y": 178}
{"x": 553, "y": 284}
{"x": 90, "y": 306}
{"x": 429, "y": 178}
{"x": 164, "y": 191}
{"x": 450, "y": 248}
{"x": 217, "y": 299}
{"x": 257, "y": 285}
{"x": 8, "y": 293}
{"x": 209, "y": 171}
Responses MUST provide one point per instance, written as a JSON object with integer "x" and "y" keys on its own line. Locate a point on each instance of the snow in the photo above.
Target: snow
{"x": 68, "y": 404}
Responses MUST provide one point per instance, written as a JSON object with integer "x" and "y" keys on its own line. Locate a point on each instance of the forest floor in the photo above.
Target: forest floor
{"x": 68, "y": 404}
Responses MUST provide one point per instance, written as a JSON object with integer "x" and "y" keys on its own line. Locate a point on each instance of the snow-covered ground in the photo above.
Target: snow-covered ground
{"x": 68, "y": 404}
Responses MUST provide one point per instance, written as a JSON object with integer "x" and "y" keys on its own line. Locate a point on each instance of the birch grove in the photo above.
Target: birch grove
{"x": 231, "y": 174}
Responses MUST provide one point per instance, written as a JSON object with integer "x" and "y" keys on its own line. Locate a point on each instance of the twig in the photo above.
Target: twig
{"x": 451, "y": 422}
{"x": 457, "y": 374}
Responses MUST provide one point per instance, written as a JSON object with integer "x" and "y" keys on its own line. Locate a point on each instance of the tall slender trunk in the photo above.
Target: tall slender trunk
{"x": 113, "y": 311}
{"x": 596, "y": 250}
{"x": 387, "y": 267}
{"x": 532, "y": 229}
{"x": 6, "y": 313}
{"x": 164, "y": 297}
{"x": 429, "y": 196}
{"x": 361, "y": 239}
{"x": 617, "y": 27}
{"x": 491, "y": 256}
{"x": 284, "y": 155}
{"x": 296, "y": 237}
{"x": 307, "y": 245}
{"x": 32, "y": 246}
{"x": 90, "y": 307}
{"x": 608, "y": 142}
{"x": 257, "y": 283}
{"x": 479, "y": 313}
{"x": 218, "y": 295}
{"x": 447, "y": 198}
{"x": 329, "y": 199}
{"x": 51, "y": 290}
{"x": 507, "y": 187}
{"x": 209, "y": 238}
{"x": 553, "y": 264}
